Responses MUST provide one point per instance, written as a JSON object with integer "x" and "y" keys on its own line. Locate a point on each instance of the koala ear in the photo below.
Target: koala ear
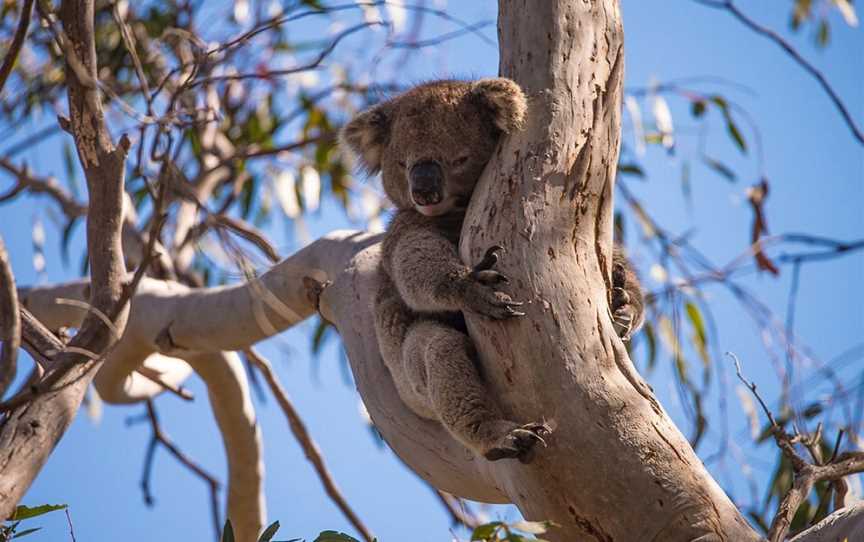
{"x": 505, "y": 100}
{"x": 366, "y": 136}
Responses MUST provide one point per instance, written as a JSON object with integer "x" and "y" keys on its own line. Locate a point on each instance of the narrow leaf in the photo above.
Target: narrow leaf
{"x": 735, "y": 134}
{"x": 269, "y": 532}
{"x": 334, "y": 536}
{"x": 24, "y": 512}
{"x": 25, "y": 532}
{"x": 228, "y": 532}
{"x": 720, "y": 168}
{"x": 699, "y": 335}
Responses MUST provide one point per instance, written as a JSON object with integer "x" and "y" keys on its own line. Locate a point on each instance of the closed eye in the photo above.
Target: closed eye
{"x": 461, "y": 161}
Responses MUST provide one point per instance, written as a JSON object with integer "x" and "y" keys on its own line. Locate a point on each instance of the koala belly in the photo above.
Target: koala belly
{"x": 403, "y": 338}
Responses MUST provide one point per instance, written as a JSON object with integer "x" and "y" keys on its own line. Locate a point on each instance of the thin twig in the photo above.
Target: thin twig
{"x": 17, "y": 42}
{"x": 159, "y": 437}
{"x": 154, "y": 376}
{"x": 455, "y": 507}
{"x": 730, "y": 6}
{"x": 298, "y": 428}
{"x": 805, "y": 474}
{"x": 129, "y": 41}
{"x": 315, "y": 63}
{"x": 40, "y": 185}
{"x": 69, "y": 521}
{"x": 438, "y": 40}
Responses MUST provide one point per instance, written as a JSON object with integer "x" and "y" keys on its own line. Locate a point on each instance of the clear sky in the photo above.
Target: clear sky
{"x": 816, "y": 171}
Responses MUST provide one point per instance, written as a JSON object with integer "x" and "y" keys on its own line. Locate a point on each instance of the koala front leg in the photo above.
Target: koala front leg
{"x": 628, "y": 304}
{"x": 459, "y": 397}
{"x": 430, "y": 277}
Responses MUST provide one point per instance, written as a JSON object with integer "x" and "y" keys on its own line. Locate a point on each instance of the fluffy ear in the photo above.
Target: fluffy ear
{"x": 504, "y": 99}
{"x": 366, "y": 135}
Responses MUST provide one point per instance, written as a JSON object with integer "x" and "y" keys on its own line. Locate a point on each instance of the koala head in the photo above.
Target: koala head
{"x": 432, "y": 142}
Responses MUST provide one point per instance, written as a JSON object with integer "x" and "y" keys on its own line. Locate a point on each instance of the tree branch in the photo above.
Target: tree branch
{"x": 301, "y": 434}
{"x": 17, "y": 42}
{"x": 729, "y": 5}
{"x": 159, "y": 437}
{"x": 29, "y": 433}
{"x": 185, "y": 321}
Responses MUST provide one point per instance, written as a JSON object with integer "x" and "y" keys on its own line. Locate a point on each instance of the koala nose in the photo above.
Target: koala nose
{"x": 427, "y": 182}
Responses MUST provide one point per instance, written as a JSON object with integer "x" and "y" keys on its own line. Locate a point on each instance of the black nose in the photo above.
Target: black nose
{"x": 427, "y": 182}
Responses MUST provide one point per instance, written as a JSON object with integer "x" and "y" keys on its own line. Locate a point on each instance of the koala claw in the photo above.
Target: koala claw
{"x": 484, "y": 299}
{"x": 623, "y": 323}
{"x": 490, "y": 277}
{"x": 623, "y": 313}
{"x": 481, "y": 297}
{"x": 620, "y": 297}
{"x": 489, "y": 259}
{"x": 520, "y": 443}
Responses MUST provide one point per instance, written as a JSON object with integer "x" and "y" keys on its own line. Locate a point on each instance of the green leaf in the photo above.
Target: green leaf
{"x": 25, "y": 532}
{"x": 25, "y": 512}
{"x": 319, "y": 335}
{"x": 334, "y": 536}
{"x": 823, "y": 35}
{"x": 800, "y": 13}
{"x": 486, "y": 531}
{"x": 64, "y": 242}
{"x": 699, "y": 335}
{"x": 651, "y": 344}
{"x": 269, "y": 532}
{"x": 720, "y": 102}
{"x": 69, "y": 164}
{"x": 630, "y": 169}
{"x": 720, "y": 168}
{"x": 812, "y": 410}
{"x": 228, "y": 532}
{"x": 735, "y": 134}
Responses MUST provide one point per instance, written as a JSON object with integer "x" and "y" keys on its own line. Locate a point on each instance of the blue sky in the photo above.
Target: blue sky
{"x": 816, "y": 171}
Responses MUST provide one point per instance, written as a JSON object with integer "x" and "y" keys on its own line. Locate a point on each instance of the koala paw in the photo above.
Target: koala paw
{"x": 624, "y": 313}
{"x": 519, "y": 442}
{"x": 480, "y": 294}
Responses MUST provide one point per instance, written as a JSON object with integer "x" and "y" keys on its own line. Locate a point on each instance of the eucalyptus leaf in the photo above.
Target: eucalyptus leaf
{"x": 25, "y": 512}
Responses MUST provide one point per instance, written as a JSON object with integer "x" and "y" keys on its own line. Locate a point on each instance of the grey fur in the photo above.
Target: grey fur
{"x": 454, "y": 126}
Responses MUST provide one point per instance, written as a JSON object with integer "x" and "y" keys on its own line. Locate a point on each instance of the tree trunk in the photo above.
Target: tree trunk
{"x": 616, "y": 467}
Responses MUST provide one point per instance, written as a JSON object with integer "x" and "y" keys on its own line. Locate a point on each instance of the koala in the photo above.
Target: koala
{"x": 431, "y": 145}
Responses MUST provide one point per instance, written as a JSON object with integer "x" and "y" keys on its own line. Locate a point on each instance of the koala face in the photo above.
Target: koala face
{"x": 432, "y": 142}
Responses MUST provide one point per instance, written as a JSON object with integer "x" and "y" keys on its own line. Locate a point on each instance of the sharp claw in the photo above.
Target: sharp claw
{"x": 531, "y": 433}
{"x": 489, "y": 259}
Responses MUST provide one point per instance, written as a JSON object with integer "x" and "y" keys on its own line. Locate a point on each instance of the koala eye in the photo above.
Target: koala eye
{"x": 461, "y": 161}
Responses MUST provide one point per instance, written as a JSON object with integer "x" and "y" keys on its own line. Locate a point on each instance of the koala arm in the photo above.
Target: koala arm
{"x": 423, "y": 264}
{"x": 421, "y": 257}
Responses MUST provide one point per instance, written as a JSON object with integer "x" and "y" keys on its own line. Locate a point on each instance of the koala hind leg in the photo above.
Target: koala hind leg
{"x": 393, "y": 319}
{"x": 445, "y": 356}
